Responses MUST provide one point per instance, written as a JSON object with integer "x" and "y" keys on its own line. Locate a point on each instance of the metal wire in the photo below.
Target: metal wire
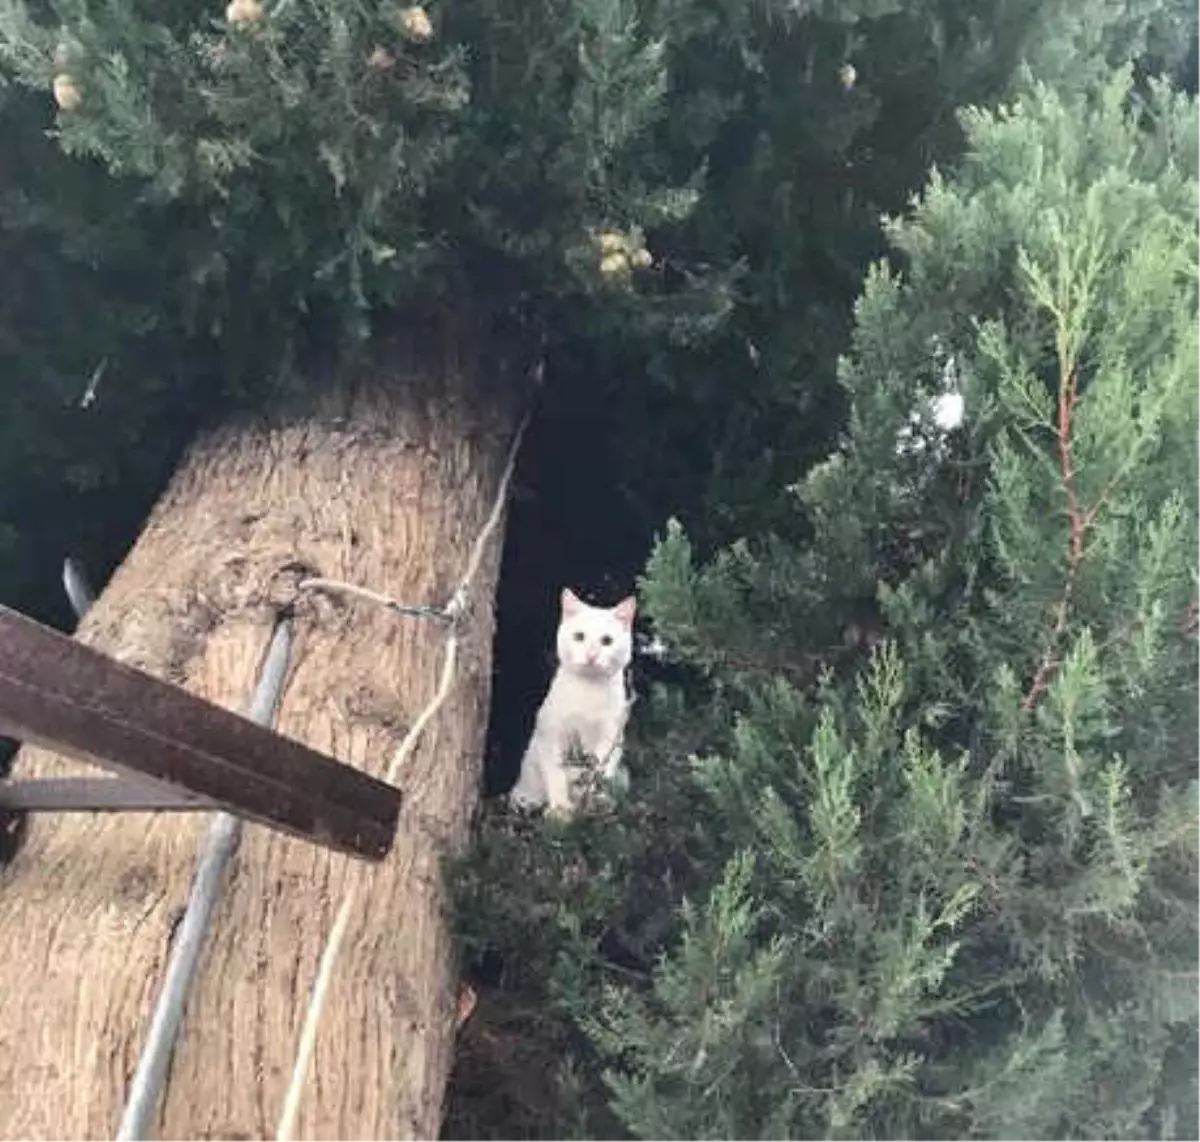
{"x": 413, "y": 610}
{"x": 454, "y": 610}
{"x": 151, "y": 1073}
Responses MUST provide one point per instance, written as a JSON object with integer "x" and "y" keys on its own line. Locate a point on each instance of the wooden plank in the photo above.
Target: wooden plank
{"x": 57, "y": 693}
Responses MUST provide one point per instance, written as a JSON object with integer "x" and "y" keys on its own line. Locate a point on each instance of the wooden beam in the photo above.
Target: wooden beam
{"x": 57, "y": 693}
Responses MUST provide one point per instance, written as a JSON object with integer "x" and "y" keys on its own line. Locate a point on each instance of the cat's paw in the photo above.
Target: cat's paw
{"x": 524, "y": 805}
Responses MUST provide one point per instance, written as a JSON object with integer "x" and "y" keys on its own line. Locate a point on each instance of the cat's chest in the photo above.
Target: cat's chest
{"x": 583, "y": 711}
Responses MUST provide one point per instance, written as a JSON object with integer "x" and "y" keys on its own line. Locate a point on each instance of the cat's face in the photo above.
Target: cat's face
{"x": 595, "y": 641}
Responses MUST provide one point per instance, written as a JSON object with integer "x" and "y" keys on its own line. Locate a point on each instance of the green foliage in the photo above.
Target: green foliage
{"x": 599, "y": 858}
{"x": 230, "y": 209}
{"x": 325, "y": 157}
{"x": 556, "y": 912}
{"x": 813, "y": 120}
{"x": 940, "y": 882}
{"x": 1017, "y": 576}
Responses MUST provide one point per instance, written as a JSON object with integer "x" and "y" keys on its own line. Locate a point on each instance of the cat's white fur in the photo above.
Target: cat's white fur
{"x": 586, "y": 706}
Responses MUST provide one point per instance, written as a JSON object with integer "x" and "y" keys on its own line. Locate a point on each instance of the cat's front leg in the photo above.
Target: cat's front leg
{"x": 530, "y": 789}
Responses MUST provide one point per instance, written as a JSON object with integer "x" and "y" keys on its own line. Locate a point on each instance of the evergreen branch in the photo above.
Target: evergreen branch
{"x": 1080, "y": 521}
{"x": 1049, "y": 663}
{"x": 1068, "y": 398}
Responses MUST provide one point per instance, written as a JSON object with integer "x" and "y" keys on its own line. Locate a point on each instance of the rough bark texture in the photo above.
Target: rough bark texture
{"x": 385, "y": 492}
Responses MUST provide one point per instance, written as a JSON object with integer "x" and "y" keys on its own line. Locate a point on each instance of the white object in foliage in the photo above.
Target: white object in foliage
{"x": 586, "y": 708}
{"x": 948, "y": 411}
{"x": 652, "y": 647}
{"x": 944, "y": 412}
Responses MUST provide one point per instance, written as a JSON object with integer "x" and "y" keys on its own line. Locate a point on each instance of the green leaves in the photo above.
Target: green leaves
{"x": 708, "y": 1003}
{"x": 342, "y": 164}
{"x": 970, "y": 935}
{"x": 933, "y": 795}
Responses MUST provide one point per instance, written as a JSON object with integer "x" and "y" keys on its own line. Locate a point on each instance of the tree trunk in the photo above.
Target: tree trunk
{"x": 387, "y": 489}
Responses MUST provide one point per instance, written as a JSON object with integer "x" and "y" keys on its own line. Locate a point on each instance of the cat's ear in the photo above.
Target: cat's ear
{"x": 624, "y": 611}
{"x": 571, "y": 603}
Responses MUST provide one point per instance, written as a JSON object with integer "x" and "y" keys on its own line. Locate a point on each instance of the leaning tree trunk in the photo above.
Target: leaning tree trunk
{"x": 386, "y": 489}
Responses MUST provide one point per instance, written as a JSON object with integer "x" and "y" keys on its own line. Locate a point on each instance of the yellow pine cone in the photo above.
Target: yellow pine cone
{"x": 847, "y": 74}
{"x": 66, "y": 93}
{"x": 612, "y": 242}
{"x": 642, "y": 259}
{"x": 416, "y": 23}
{"x": 615, "y": 263}
{"x": 243, "y": 13}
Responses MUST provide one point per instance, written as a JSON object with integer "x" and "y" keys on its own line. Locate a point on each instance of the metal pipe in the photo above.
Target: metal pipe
{"x": 78, "y": 589}
{"x": 151, "y": 1073}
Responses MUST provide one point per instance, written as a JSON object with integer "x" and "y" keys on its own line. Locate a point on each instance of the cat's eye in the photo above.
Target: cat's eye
{"x": 606, "y": 640}
{"x": 579, "y": 636}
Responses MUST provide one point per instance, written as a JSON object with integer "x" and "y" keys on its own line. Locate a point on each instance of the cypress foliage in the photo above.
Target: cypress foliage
{"x": 921, "y": 861}
{"x": 325, "y": 164}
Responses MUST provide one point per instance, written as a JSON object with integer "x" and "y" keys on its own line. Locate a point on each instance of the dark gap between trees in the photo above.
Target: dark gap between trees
{"x": 568, "y": 526}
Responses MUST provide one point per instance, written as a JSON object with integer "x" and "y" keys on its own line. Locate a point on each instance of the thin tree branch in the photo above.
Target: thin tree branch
{"x": 1080, "y": 521}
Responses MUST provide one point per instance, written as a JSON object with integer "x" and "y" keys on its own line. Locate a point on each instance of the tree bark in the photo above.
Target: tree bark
{"x": 385, "y": 488}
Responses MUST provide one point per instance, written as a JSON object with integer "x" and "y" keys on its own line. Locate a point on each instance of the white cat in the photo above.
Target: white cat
{"x": 586, "y": 706}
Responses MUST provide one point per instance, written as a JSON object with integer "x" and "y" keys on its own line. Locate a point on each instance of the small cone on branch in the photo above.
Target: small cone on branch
{"x": 642, "y": 259}
{"x": 612, "y": 264}
{"x": 66, "y": 93}
{"x": 612, "y": 242}
{"x": 847, "y": 75}
{"x": 244, "y": 13}
{"x": 416, "y": 24}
